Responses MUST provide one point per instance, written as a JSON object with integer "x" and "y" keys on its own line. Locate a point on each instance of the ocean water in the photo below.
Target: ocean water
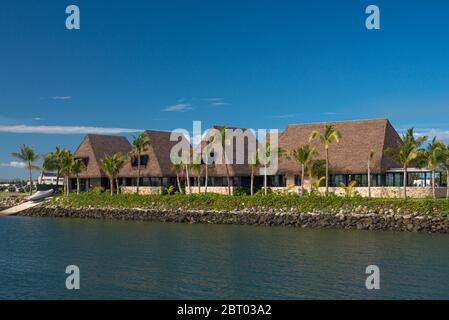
{"x": 145, "y": 260}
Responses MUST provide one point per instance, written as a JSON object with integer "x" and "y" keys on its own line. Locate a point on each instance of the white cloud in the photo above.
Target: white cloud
{"x": 330, "y": 113}
{"x": 213, "y": 99}
{"x": 286, "y": 116}
{"x": 220, "y": 103}
{"x": 432, "y": 132}
{"x": 37, "y": 119}
{"x": 180, "y": 107}
{"x": 64, "y": 129}
{"x": 62, "y": 98}
{"x": 14, "y": 164}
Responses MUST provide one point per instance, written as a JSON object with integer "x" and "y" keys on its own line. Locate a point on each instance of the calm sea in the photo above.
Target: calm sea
{"x": 142, "y": 260}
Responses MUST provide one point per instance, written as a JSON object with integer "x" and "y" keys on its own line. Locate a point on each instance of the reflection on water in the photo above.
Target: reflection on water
{"x": 180, "y": 261}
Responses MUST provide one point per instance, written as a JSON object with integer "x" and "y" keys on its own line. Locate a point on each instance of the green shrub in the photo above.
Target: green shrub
{"x": 240, "y": 191}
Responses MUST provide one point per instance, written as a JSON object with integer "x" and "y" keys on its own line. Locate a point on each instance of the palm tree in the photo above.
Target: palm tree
{"x": 348, "y": 188}
{"x": 253, "y": 165}
{"x": 330, "y": 135}
{"x": 303, "y": 156}
{"x": 434, "y": 159}
{"x": 266, "y": 158}
{"x": 370, "y": 159}
{"x": 178, "y": 168}
{"x": 207, "y": 143}
{"x": 407, "y": 152}
{"x": 445, "y": 165}
{"x": 65, "y": 162}
{"x": 58, "y": 153}
{"x": 50, "y": 163}
{"x": 196, "y": 168}
{"x": 140, "y": 144}
{"x": 29, "y": 156}
{"x": 112, "y": 165}
{"x": 224, "y": 143}
{"x": 76, "y": 168}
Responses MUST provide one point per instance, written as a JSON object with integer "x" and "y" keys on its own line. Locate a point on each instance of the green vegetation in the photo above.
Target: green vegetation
{"x": 309, "y": 203}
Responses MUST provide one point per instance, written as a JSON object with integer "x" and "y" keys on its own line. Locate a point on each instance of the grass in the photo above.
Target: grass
{"x": 5, "y": 195}
{"x": 328, "y": 204}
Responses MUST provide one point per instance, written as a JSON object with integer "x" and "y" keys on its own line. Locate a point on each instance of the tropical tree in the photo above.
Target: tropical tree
{"x": 76, "y": 168}
{"x": 59, "y": 154}
{"x": 112, "y": 165}
{"x": 370, "y": 159}
{"x": 196, "y": 168}
{"x": 50, "y": 163}
{"x": 29, "y": 157}
{"x": 445, "y": 166}
{"x": 65, "y": 163}
{"x": 434, "y": 158}
{"x": 266, "y": 158}
{"x": 140, "y": 144}
{"x": 407, "y": 152}
{"x": 178, "y": 169}
{"x": 348, "y": 188}
{"x": 329, "y": 135}
{"x": 225, "y": 142}
{"x": 304, "y": 156}
{"x": 253, "y": 165}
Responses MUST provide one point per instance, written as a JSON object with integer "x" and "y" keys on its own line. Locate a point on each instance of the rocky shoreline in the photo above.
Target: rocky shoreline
{"x": 268, "y": 217}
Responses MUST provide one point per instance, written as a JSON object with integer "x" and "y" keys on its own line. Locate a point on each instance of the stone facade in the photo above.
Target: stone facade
{"x": 219, "y": 190}
{"x": 142, "y": 190}
{"x": 391, "y": 192}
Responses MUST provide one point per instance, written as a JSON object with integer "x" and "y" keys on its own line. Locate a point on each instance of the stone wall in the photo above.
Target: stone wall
{"x": 361, "y": 219}
{"x": 391, "y": 192}
{"x": 142, "y": 190}
{"x": 219, "y": 190}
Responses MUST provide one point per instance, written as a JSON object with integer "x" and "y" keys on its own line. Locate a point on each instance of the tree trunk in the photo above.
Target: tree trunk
{"x": 433, "y": 185}
{"x": 188, "y": 179}
{"x": 111, "y": 182}
{"x": 118, "y": 187}
{"x": 252, "y": 181}
{"x": 77, "y": 185}
{"x": 67, "y": 188}
{"x": 265, "y": 180}
{"x": 447, "y": 183}
{"x": 207, "y": 177}
{"x": 199, "y": 184}
{"x": 327, "y": 170}
{"x": 31, "y": 179}
{"x": 302, "y": 180}
{"x": 138, "y": 173}
{"x": 369, "y": 179}
{"x": 405, "y": 182}
{"x": 229, "y": 180}
{"x": 179, "y": 182}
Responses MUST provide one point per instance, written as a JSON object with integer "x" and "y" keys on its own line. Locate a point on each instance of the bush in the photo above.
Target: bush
{"x": 169, "y": 190}
{"x": 96, "y": 190}
{"x": 240, "y": 191}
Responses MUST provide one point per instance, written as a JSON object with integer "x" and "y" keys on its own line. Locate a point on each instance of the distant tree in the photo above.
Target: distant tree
{"x": 329, "y": 135}
{"x": 445, "y": 166}
{"x": 434, "y": 157}
{"x": 76, "y": 168}
{"x": 65, "y": 162}
{"x": 178, "y": 169}
{"x": 140, "y": 144}
{"x": 370, "y": 159}
{"x": 407, "y": 152}
{"x": 29, "y": 157}
{"x": 304, "y": 156}
{"x": 266, "y": 158}
{"x": 253, "y": 165}
{"x": 112, "y": 165}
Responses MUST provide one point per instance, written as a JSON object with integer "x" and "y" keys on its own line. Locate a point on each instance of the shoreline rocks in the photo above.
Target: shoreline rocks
{"x": 257, "y": 217}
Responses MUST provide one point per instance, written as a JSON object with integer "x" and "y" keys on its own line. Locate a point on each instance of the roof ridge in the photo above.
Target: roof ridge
{"x": 339, "y": 121}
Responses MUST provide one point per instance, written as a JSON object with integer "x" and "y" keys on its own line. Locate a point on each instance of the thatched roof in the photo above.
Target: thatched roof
{"x": 159, "y": 162}
{"x": 96, "y": 148}
{"x": 350, "y": 155}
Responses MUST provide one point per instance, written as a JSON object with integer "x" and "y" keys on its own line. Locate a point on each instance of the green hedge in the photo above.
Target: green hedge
{"x": 310, "y": 203}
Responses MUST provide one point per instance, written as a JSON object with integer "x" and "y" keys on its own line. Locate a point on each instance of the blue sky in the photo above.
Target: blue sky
{"x": 260, "y": 64}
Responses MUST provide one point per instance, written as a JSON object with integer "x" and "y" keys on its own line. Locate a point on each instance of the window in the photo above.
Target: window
{"x": 143, "y": 160}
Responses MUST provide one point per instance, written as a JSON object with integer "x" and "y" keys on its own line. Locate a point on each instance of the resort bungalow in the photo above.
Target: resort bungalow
{"x": 348, "y": 161}
{"x": 92, "y": 150}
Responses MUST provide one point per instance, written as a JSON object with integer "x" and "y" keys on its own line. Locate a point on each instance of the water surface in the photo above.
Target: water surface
{"x": 143, "y": 260}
